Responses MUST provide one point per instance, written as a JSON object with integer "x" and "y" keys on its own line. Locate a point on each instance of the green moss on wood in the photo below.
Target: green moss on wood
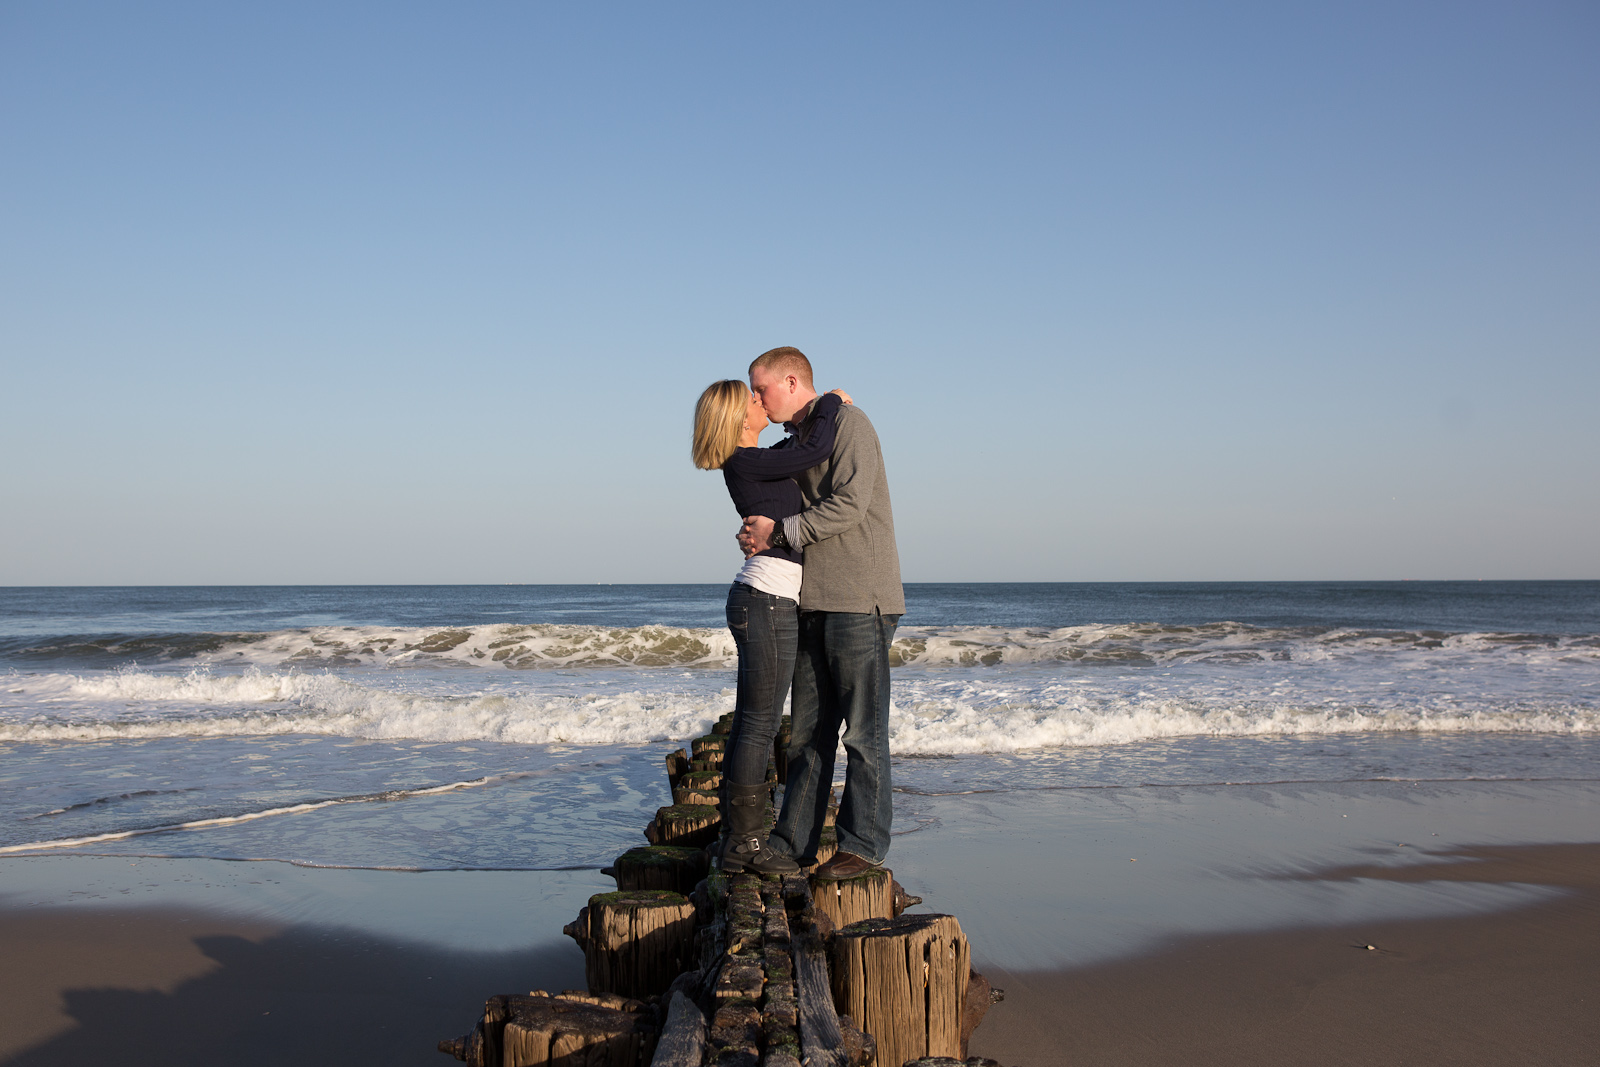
{"x": 687, "y": 813}
{"x": 638, "y": 897}
{"x": 658, "y": 856}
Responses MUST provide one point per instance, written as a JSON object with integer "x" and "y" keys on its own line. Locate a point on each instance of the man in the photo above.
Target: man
{"x": 850, "y": 603}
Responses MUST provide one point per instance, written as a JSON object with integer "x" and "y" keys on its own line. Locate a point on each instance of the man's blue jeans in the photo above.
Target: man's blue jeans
{"x": 763, "y": 628}
{"x": 841, "y": 679}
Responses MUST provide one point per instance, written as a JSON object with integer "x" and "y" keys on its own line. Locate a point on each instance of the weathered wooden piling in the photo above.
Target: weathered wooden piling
{"x": 546, "y": 1030}
{"x": 698, "y": 787}
{"x": 635, "y": 942}
{"x": 677, "y": 767}
{"x": 660, "y": 867}
{"x": 706, "y": 780}
{"x": 684, "y": 825}
{"x": 708, "y": 798}
{"x": 869, "y": 895}
{"x": 683, "y": 1035}
{"x": 538, "y": 1029}
{"x": 905, "y": 981}
{"x": 741, "y": 970}
{"x": 702, "y": 747}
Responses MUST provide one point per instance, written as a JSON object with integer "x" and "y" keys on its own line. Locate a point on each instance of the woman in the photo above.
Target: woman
{"x": 764, "y": 601}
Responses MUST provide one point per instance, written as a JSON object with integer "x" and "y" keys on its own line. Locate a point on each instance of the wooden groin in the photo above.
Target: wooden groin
{"x": 688, "y": 966}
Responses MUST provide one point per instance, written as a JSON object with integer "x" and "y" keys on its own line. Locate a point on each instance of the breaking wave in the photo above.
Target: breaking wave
{"x": 201, "y": 703}
{"x": 546, "y": 646}
{"x": 962, "y": 711}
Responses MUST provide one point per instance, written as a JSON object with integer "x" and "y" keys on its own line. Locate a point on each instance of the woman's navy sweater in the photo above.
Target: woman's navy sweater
{"x": 761, "y": 480}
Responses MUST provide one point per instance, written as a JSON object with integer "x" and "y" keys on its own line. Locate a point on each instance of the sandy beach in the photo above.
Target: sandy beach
{"x": 1204, "y": 926}
{"x": 1516, "y": 987}
{"x": 172, "y": 961}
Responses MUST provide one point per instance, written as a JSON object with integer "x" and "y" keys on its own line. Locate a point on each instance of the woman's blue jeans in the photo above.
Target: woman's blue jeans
{"x": 765, "y": 629}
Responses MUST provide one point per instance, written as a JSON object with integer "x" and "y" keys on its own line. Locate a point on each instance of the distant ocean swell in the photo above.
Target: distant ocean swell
{"x": 547, "y": 646}
{"x": 136, "y": 703}
{"x": 977, "y": 711}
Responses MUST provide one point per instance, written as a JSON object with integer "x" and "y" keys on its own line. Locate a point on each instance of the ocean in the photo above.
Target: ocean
{"x": 523, "y": 727}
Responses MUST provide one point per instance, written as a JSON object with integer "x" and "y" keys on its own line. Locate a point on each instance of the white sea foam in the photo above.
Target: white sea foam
{"x": 946, "y": 710}
{"x": 203, "y": 703}
{"x": 547, "y": 646}
{"x": 515, "y": 647}
{"x": 1218, "y": 642}
{"x": 943, "y": 724}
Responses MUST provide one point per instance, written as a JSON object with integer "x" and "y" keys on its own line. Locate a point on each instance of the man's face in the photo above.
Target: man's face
{"x": 779, "y": 393}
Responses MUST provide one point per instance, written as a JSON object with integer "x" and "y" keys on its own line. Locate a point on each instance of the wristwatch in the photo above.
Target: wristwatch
{"x": 778, "y": 538}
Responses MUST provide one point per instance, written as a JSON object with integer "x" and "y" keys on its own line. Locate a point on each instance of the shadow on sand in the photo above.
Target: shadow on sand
{"x": 305, "y": 996}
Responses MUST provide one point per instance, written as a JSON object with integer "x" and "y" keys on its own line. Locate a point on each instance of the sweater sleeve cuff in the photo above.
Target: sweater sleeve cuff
{"x": 791, "y": 530}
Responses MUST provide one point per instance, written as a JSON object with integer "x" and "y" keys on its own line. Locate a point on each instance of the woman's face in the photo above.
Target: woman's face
{"x": 755, "y": 416}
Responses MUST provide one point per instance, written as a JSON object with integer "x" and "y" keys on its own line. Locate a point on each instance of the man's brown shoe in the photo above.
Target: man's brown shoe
{"x": 844, "y": 865}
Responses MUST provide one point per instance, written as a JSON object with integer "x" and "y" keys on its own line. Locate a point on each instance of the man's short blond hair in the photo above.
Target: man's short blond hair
{"x": 784, "y": 361}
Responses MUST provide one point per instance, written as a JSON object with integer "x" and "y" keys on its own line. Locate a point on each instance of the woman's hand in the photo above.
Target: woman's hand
{"x": 842, "y": 395}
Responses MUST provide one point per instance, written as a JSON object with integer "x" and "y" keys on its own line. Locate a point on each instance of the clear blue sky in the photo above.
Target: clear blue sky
{"x": 401, "y": 292}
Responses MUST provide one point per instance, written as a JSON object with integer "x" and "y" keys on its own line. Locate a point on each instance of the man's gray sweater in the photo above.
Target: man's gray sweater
{"x": 847, "y": 529}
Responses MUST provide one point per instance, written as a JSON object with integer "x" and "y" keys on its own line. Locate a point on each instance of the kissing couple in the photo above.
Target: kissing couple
{"x": 814, "y": 608}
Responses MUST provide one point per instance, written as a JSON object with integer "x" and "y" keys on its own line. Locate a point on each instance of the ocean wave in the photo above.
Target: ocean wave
{"x": 107, "y": 801}
{"x": 135, "y": 703}
{"x": 509, "y": 646}
{"x": 545, "y": 646}
{"x": 1217, "y": 643}
{"x": 933, "y": 712}
{"x": 943, "y": 726}
{"x": 243, "y": 816}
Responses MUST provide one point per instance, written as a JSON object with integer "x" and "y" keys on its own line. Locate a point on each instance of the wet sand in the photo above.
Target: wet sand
{"x": 147, "y": 986}
{"x": 179, "y": 961}
{"x": 1112, "y": 919}
{"x": 1513, "y": 987}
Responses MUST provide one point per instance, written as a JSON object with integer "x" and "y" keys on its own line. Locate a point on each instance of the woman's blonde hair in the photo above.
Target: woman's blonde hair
{"x": 718, "y": 421}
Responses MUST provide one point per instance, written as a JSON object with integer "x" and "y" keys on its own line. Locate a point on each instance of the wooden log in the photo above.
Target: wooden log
{"x": 702, "y": 747}
{"x": 706, "y": 797}
{"x": 905, "y": 982}
{"x": 604, "y": 1000}
{"x": 821, "y": 1041}
{"x": 869, "y": 895}
{"x": 635, "y": 942}
{"x": 492, "y": 1024}
{"x": 677, "y": 767}
{"x": 704, "y": 780}
{"x": 560, "y": 1032}
{"x": 660, "y": 867}
{"x": 724, "y": 725}
{"x": 741, "y": 978}
{"x": 736, "y": 1031}
{"x": 683, "y": 1038}
{"x": 685, "y": 825}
